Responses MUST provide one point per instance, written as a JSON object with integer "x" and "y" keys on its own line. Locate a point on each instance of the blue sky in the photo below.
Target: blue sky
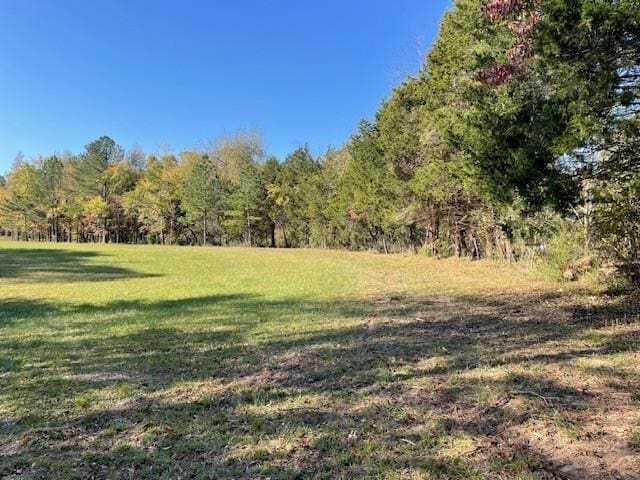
{"x": 156, "y": 73}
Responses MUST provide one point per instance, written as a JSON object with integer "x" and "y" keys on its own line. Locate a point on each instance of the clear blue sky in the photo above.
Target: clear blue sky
{"x": 178, "y": 73}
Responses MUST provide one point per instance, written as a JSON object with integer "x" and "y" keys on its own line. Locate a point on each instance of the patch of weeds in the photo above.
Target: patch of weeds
{"x": 287, "y": 473}
{"x": 594, "y": 337}
{"x": 634, "y": 441}
{"x": 621, "y": 344}
{"x": 486, "y": 395}
{"x": 516, "y": 378}
{"x": 15, "y": 466}
{"x": 346, "y": 458}
{"x": 262, "y": 395}
{"x": 206, "y": 403}
{"x": 260, "y": 455}
{"x": 151, "y": 435}
{"x": 571, "y": 429}
{"x": 100, "y": 421}
{"x": 257, "y": 426}
{"x": 189, "y": 446}
{"x": 319, "y": 376}
{"x": 384, "y": 375}
{"x": 517, "y": 465}
{"x": 399, "y": 413}
{"x": 124, "y": 390}
{"x": 439, "y": 436}
{"x": 113, "y": 427}
{"x": 328, "y": 442}
{"x": 83, "y": 401}
{"x": 450, "y": 468}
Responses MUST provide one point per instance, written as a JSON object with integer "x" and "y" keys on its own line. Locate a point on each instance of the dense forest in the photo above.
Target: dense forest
{"x": 519, "y": 137}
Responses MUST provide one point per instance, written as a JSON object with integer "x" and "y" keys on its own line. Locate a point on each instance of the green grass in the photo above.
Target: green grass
{"x": 175, "y": 362}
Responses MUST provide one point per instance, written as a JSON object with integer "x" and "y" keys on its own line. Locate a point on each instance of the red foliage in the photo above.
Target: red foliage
{"x": 523, "y": 20}
{"x": 498, "y": 10}
{"x": 353, "y": 214}
{"x": 499, "y": 73}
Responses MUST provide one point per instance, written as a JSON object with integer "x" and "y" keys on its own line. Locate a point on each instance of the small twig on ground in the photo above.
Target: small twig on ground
{"x": 529, "y": 392}
{"x": 473, "y": 451}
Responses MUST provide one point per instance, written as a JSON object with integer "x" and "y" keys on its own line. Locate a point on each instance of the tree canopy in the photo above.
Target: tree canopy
{"x": 521, "y": 110}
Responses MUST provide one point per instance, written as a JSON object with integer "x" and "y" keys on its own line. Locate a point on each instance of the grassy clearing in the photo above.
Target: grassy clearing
{"x": 160, "y": 362}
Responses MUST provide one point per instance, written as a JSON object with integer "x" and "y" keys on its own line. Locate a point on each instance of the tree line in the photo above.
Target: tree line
{"x": 521, "y": 132}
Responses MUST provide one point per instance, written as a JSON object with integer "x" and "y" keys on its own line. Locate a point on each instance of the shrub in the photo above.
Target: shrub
{"x": 566, "y": 256}
{"x": 616, "y": 225}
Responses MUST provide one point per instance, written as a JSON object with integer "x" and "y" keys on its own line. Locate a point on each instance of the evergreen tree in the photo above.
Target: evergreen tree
{"x": 203, "y": 196}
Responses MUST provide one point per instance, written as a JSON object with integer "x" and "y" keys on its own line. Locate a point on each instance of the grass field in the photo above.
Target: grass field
{"x": 176, "y": 362}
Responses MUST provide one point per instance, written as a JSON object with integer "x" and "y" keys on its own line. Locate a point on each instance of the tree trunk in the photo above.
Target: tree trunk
{"x": 413, "y": 238}
{"x": 249, "y": 231}
{"x": 273, "y": 235}
{"x": 171, "y": 220}
{"x": 204, "y": 229}
{"x": 476, "y": 249}
{"x": 162, "y": 229}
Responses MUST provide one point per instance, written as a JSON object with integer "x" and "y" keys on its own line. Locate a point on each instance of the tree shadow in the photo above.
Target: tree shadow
{"x": 239, "y": 386}
{"x": 53, "y": 265}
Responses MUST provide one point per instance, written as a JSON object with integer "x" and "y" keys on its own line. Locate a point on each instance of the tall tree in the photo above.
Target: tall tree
{"x": 369, "y": 189}
{"x": 50, "y": 191}
{"x": 92, "y": 177}
{"x": 93, "y": 163}
{"x": 289, "y": 195}
{"x": 270, "y": 170}
{"x": 247, "y": 204}
{"x": 204, "y": 194}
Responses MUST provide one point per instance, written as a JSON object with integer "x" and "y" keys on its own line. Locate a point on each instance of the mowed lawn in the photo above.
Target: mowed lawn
{"x": 175, "y": 362}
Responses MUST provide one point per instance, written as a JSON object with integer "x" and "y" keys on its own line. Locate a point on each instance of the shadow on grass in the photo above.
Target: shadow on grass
{"x": 53, "y": 265}
{"x": 237, "y": 386}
